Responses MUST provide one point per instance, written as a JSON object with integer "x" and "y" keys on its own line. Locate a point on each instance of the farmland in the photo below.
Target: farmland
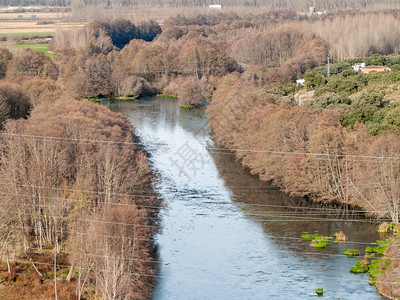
{"x": 33, "y": 26}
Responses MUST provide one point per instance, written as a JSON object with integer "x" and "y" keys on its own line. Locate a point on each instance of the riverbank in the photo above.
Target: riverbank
{"x": 80, "y": 212}
{"x": 388, "y": 284}
{"x": 304, "y": 152}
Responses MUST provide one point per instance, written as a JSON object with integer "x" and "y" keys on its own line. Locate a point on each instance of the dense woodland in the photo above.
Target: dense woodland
{"x": 141, "y": 59}
{"x": 76, "y": 192}
{"x": 74, "y": 177}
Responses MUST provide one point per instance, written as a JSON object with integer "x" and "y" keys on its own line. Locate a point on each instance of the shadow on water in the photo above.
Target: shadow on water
{"x": 226, "y": 235}
{"x": 281, "y": 215}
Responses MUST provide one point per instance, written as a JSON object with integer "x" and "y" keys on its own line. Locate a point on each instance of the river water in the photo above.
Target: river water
{"x": 226, "y": 235}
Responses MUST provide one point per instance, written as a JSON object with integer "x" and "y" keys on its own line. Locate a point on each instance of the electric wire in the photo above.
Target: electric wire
{"x": 238, "y": 203}
{"x": 185, "y": 278}
{"x": 230, "y": 151}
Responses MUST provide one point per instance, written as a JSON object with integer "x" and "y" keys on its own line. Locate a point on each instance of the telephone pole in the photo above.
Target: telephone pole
{"x": 329, "y": 70}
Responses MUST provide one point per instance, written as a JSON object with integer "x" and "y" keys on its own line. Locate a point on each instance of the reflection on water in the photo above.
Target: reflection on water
{"x": 225, "y": 234}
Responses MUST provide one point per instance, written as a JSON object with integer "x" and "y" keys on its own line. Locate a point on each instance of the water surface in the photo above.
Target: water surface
{"x": 226, "y": 235}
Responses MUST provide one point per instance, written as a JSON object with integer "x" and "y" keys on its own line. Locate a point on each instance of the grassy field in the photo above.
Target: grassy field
{"x": 39, "y": 47}
{"x": 27, "y": 34}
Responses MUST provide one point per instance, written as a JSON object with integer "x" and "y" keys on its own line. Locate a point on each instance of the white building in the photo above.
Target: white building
{"x": 215, "y": 6}
{"x": 357, "y": 67}
{"x": 301, "y": 81}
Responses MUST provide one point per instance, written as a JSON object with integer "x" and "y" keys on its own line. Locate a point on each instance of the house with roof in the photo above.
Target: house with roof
{"x": 371, "y": 69}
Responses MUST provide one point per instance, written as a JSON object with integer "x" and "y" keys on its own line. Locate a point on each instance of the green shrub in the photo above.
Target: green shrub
{"x": 369, "y": 250}
{"x": 351, "y": 252}
{"x": 166, "y": 96}
{"x": 358, "y": 268}
{"x": 317, "y": 241}
{"x": 95, "y": 99}
{"x": 310, "y": 236}
{"x": 320, "y": 291}
{"x": 125, "y": 98}
{"x": 378, "y": 267}
{"x": 326, "y": 100}
{"x": 313, "y": 81}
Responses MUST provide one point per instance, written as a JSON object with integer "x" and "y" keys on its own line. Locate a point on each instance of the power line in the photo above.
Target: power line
{"x": 313, "y": 254}
{"x": 72, "y": 140}
{"x": 332, "y": 159}
{"x": 81, "y": 191}
{"x": 161, "y": 207}
{"x": 246, "y": 213}
{"x": 83, "y": 201}
{"x": 185, "y": 278}
{"x": 85, "y": 220}
{"x": 95, "y": 234}
{"x": 78, "y": 233}
{"x": 334, "y": 155}
{"x": 280, "y": 219}
{"x": 76, "y": 140}
{"x": 236, "y": 204}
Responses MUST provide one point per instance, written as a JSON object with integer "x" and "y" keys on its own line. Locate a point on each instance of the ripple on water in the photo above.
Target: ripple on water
{"x": 213, "y": 246}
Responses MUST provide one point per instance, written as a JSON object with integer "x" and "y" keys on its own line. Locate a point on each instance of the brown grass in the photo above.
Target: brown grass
{"x": 10, "y": 27}
{"x": 341, "y": 236}
{"x": 383, "y": 227}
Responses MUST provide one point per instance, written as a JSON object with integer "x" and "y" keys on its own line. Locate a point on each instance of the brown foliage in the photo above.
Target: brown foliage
{"x": 201, "y": 57}
{"x": 32, "y": 63}
{"x": 192, "y": 92}
{"x": 88, "y": 76}
{"x": 306, "y": 153}
{"x": 5, "y": 58}
{"x": 49, "y": 179}
{"x": 38, "y": 90}
{"x": 13, "y": 103}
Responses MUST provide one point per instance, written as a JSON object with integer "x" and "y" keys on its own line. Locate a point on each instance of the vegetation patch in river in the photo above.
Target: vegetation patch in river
{"x": 125, "y": 98}
{"x": 351, "y": 252}
{"x": 360, "y": 267}
{"x": 379, "y": 248}
{"x": 317, "y": 241}
{"x": 340, "y": 237}
{"x": 186, "y": 106}
{"x": 375, "y": 266}
{"x": 95, "y": 99}
{"x": 378, "y": 267}
{"x": 320, "y": 291}
{"x": 166, "y": 96}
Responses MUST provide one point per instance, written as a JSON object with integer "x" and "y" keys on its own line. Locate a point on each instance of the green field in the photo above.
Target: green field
{"x": 27, "y": 34}
{"x": 40, "y": 47}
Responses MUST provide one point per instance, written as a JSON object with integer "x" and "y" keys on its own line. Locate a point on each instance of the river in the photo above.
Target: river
{"x": 225, "y": 234}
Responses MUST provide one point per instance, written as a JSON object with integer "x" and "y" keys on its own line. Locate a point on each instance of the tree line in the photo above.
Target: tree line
{"x": 141, "y": 59}
{"x": 273, "y": 4}
{"x": 307, "y": 153}
{"x": 78, "y": 212}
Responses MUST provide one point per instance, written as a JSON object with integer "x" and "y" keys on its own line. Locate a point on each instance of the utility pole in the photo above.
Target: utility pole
{"x": 329, "y": 69}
